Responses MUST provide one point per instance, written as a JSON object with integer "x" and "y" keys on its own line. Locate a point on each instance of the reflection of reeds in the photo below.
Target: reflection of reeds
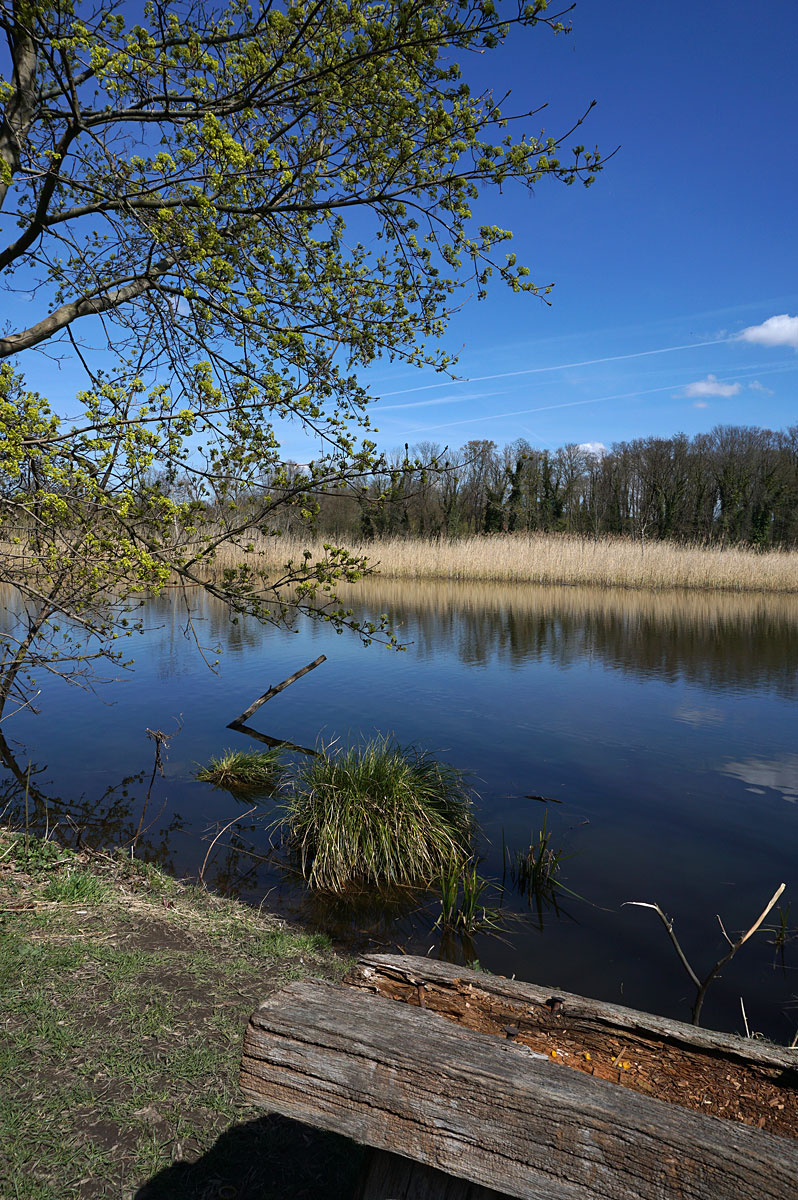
{"x": 551, "y": 559}
{"x": 545, "y": 602}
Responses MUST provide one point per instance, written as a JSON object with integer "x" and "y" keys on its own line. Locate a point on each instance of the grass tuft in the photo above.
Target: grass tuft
{"x": 377, "y": 814}
{"x": 243, "y": 771}
{"x": 463, "y": 909}
{"x": 74, "y": 887}
{"x": 535, "y": 872}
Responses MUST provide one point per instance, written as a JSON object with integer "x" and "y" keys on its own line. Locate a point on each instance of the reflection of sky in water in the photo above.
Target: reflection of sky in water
{"x": 777, "y": 775}
{"x": 654, "y": 720}
{"x": 699, "y": 716}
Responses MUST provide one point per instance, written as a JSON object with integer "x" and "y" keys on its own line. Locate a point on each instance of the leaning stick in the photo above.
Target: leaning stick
{"x": 247, "y": 713}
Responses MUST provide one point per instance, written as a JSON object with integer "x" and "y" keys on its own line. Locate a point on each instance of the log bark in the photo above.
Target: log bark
{"x": 406, "y": 1080}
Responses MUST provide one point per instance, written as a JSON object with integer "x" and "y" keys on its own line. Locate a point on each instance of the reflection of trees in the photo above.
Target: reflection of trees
{"x": 121, "y": 816}
{"x": 722, "y": 641}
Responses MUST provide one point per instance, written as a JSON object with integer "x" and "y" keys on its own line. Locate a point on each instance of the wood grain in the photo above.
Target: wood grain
{"x": 408, "y": 1081}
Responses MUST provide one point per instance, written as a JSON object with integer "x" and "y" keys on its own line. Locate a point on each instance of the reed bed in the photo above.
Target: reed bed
{"x": 551, "y": 559}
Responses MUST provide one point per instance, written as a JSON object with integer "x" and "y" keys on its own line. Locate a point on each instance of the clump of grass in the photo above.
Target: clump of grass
{"x": 75, "y": 887}
{"x": 535, "y": 871}
{"x": 463, "y": 911}
{"x": 377, "y": 814}
{"x": 243, "y": 771}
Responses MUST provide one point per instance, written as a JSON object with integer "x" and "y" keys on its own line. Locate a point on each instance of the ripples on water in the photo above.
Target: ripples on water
{"x": 663, "y": 723}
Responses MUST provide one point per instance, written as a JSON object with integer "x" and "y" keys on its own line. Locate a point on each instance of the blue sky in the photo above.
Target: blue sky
{"x": 686, "y": 239}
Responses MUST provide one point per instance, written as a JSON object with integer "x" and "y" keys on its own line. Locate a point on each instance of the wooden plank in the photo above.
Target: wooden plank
{"x": 408, "y": 1081}
{"x": 401, "y": 976}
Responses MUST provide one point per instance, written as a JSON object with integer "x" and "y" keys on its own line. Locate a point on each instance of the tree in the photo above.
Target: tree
{"x": 223, "y": 215}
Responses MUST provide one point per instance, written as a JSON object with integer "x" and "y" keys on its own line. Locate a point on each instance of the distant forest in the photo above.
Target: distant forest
{"x": 735, "y": 485}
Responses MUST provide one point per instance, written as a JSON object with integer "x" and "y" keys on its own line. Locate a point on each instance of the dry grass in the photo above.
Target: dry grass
{"x": 555, "y": 559}
{"x": 543, "y": 559}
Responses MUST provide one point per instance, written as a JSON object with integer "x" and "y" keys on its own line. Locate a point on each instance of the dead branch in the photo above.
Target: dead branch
{"x": 721, "y": 963}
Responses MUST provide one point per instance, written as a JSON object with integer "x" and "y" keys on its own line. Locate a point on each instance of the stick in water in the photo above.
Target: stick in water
{"x": 247, "y": 713}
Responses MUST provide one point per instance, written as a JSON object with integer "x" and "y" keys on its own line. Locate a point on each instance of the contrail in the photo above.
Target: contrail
{"x": 595, "y": 400}
{"x": 588, "y": 362}
{"x": 522, "y": 412}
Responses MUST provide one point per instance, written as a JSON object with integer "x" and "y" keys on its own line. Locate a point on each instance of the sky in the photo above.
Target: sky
{"x": 675, "y": 306}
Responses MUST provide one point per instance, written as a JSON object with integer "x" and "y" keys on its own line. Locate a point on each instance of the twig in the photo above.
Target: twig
{"x": 669, "y": 926}
{"x": 247, "y": 713}
{"x": 745, "y": 1019}
{"x": 240, "y": 817}
{"x": 735, "y": 946}
{"x": 161, "y": 739}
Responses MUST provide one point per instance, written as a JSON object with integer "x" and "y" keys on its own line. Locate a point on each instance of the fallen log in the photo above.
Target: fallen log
{"x": 481, "y": 1114}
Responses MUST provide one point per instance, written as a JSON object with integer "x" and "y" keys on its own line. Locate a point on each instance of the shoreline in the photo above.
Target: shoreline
{"x": 125, "y": 998}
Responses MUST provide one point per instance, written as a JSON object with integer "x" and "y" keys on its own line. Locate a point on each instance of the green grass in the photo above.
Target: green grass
{"x": 535, "y": 871}
{"x": 243, "y": 771}
{"x": 121, "y": 1019}
{"x": 463, "y": 908}
{"x": 74, "y": 887}
{"x": 377, "y": 815}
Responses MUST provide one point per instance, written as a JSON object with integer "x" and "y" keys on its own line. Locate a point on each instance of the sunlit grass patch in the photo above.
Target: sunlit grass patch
{"x": 243, "y": 771}
{"x": 377, "y": 814}
{"x": 463, "y": 908}
{"x": 74, "y": 887}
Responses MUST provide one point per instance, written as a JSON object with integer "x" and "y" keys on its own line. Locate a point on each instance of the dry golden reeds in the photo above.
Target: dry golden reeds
{"x": 552, "y": 559}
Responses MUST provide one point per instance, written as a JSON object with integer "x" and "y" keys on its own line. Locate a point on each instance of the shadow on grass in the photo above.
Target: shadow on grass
{"x": 271, "y": 1158}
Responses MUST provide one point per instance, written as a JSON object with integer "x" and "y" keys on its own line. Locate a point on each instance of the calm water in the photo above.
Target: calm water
{"x": 664, "y": 726}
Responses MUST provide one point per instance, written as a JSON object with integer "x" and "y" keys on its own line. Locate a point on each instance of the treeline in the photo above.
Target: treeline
{"x": 735, "y": 485}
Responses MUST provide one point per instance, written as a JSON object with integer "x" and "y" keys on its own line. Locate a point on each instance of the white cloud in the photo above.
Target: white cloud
{"x": 756, "y": 386}
{"x": 711, "y": 386}
{"x": 700, "y": 404}
{"x": 776, "y": 331}
{"x": 596, "y": 448}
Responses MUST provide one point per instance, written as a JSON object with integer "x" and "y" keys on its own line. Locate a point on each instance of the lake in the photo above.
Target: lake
{"x": 660, "y": 728}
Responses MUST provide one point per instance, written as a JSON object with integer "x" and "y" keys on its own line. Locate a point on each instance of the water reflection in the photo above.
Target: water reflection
{"x": 717, "y": 639}
{"x": 117, "y": 818}
{"x": 665, "y": 721}
{"x": 761, "y": 775}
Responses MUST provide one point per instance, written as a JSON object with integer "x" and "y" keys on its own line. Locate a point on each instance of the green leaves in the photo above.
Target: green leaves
{"x": 249, "y": 204}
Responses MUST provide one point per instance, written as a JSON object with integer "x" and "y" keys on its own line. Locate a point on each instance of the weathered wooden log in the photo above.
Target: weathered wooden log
{"x": 493, "y": 999}
{"x": 484, "y": 1109}
{"x": 274, "y": 691}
